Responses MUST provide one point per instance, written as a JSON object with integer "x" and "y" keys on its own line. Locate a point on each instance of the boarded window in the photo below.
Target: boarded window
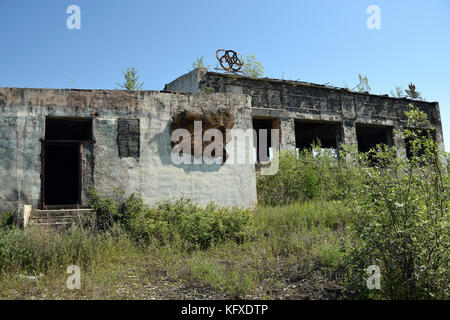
{"x": 128, "y": 135}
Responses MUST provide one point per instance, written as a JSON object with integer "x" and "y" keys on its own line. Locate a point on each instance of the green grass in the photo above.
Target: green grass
{"x": 291, "y": 252}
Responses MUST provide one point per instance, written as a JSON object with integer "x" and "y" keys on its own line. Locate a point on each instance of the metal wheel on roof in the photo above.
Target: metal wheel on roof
{"x": 229, "y": 60}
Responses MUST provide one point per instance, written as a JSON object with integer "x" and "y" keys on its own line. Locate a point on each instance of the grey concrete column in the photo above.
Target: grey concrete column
{"x": 287, "y": 128}
{"x": 439, "y": 137}
{"x": 438, "y": 129}
{"x": 399, "y": 141}
{"x": 349, "y": 133}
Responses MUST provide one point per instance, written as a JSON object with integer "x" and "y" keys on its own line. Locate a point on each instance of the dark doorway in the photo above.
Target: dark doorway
{"x": 369, "y": 136}
{"x": 62, "y": 168}
{"x": 61, "y": 160}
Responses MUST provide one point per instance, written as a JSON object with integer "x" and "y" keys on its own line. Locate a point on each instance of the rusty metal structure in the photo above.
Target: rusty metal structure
{"x": 229, "y": 60}
{"x": 412, "y": 93}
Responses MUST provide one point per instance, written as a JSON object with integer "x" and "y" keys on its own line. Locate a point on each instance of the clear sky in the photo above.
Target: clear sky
{"x": 320, "y": 41}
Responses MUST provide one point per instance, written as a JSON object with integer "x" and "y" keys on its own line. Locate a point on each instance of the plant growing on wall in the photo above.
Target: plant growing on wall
{"x": 398, "y": 93}
{"x": 131, "y": 80}
{"x": 252, "y": 68}
{"x": 199, "y": 63}
{"x": 363, "y": 85}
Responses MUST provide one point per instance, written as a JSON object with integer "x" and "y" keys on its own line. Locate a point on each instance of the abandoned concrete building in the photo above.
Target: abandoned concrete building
{"x": 57, "y": 143}
{"x": 305, "y": 111}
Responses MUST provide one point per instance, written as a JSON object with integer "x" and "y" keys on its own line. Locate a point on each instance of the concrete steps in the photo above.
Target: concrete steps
{"x": 58, "y": 218}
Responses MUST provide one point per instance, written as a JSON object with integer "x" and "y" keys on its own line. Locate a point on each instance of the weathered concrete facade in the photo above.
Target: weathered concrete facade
{"x": 56, "y": 144}
{"x": 295, "y": 104}
{"x": 128, "y": 145}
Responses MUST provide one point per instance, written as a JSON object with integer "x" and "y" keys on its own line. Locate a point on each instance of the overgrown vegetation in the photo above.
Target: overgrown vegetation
{"x": 282, "y": 246}
{"x": 313, "y": 174}
{"x": 180, "y": 221}
{"x": 321, "y": 222}
{"x": 6, "y": 219}
{"x": 400, "y": 210}
{"x": 37, "y": 250}
{"x": 401, "y": 219}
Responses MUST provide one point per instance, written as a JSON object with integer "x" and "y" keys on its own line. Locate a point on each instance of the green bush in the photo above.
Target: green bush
{"x": 401, "y": 221}
{"x": 6, "y": 219}
{"x": 313, "y": 175}
{"x": 176, "y": 222}
{"x": 107, "y": 213}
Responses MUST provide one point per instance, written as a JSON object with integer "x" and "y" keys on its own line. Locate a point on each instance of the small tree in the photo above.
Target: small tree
{"x": 252, "y": 68}
{"x": 363, "y": 85}
{"x": 131, "y": 80}
{"x": 401, "y": 219}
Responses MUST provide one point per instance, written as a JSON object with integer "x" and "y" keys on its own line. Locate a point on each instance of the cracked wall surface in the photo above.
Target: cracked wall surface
{"x": 301, "y": 101}
{"x": 151, "y": 173}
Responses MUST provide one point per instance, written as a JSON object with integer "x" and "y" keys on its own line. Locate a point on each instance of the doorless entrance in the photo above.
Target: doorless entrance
{"x": 61, "y": 161}
{"x": 62, "y": 168}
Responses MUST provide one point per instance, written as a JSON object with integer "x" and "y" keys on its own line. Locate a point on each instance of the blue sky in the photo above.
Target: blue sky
{"x": 321, "y": 41}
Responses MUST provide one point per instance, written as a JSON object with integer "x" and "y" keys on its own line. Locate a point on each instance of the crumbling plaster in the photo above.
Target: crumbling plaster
{"x": 152, "y": 175}
{"x": 295, "y": 100}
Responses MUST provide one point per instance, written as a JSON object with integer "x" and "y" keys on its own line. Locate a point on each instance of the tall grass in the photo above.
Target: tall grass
{"x": 286, "y": 242}
{"x": 40, "y": 250}
{"x": 280, "y": 243}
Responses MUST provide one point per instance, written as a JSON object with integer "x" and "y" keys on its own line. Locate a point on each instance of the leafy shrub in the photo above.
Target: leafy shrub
{"x": 314, "y": 174}
{"x": 107, "y": 212}
{"x": 6, "y": 219}
{"x": 401, "y": 221}
{"x": 252, "y": 68}
{"x": 175, "y": 222}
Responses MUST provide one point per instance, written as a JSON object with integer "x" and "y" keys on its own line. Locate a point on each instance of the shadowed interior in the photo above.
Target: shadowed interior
{"x": 62, "y": 174}
{"x": 307, "y": 133}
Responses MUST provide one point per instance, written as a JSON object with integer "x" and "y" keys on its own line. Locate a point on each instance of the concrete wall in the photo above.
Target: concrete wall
{"x": 295, "y": 100}
{"x": 187, "y": 82}
{"x": 152, "y": 176}
{"x": 304, "y": 101}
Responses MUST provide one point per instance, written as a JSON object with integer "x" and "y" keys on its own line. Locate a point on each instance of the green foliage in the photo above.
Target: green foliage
{"x": 209, "y": 89}
{"x": 131, "y": 82}
{"x": 363, "y": 85}
{"x": 107, "y": 213}
{"x": 6, "y": 219}
{"x": 36, "y": 249}
{"x": 315, "y": 174}
{"x": 179, "y": 222}
{"x": 200, "y": 64}
{"x": 401, "y": 220}
{"x": 252, "y": 68}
